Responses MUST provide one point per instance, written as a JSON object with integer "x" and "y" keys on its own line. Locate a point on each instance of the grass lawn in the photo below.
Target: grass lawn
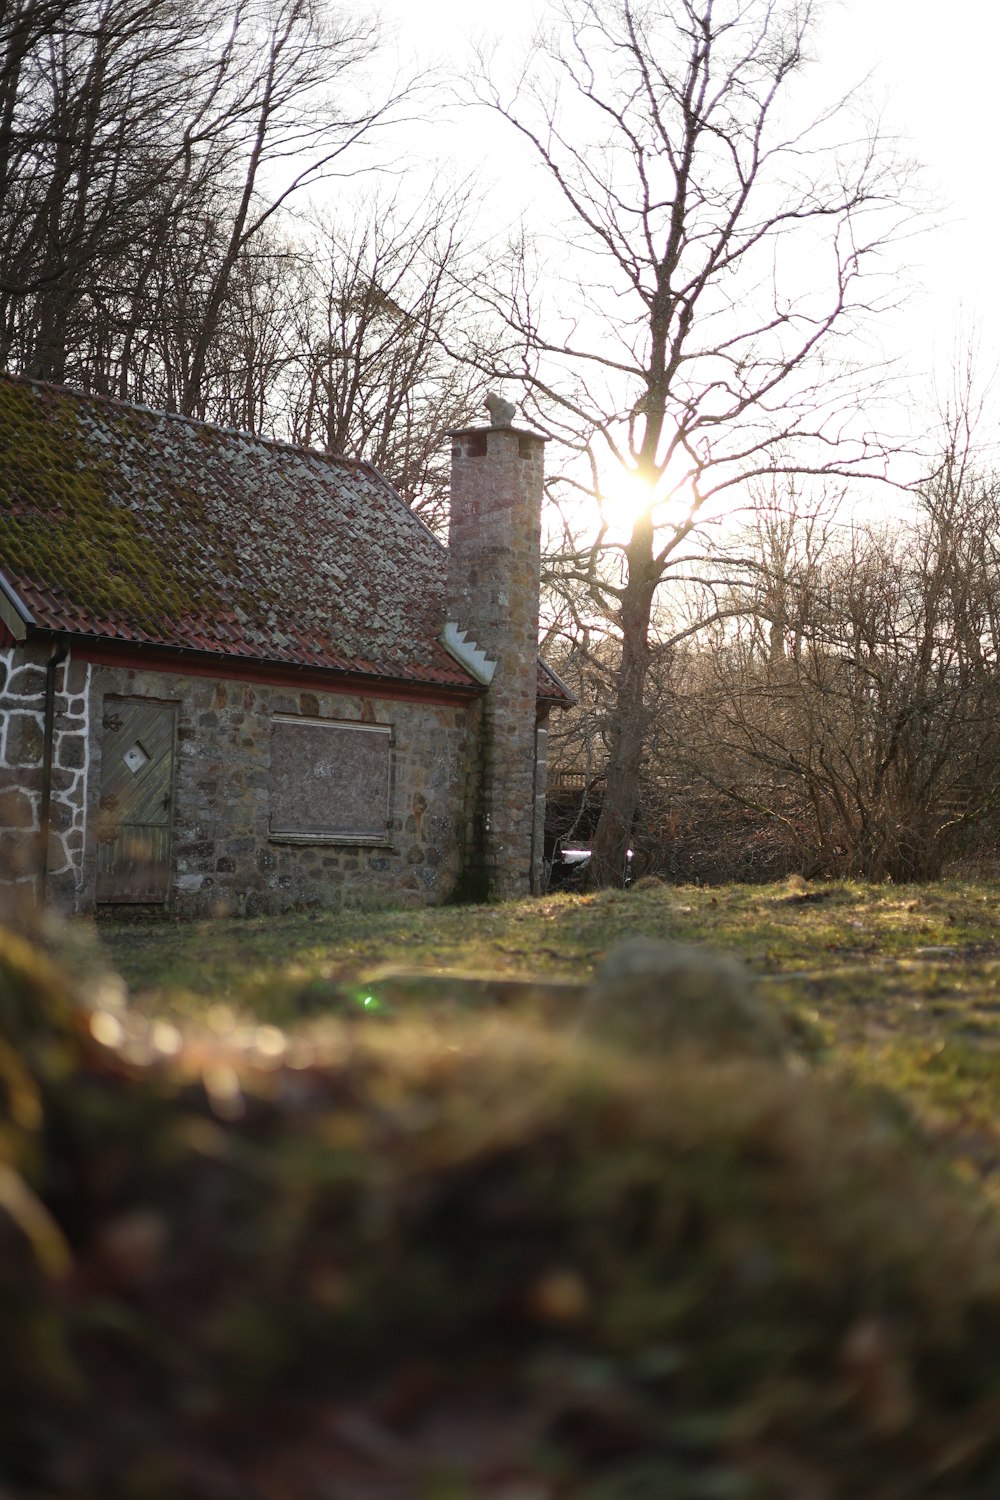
{"x": 896, "y": 985}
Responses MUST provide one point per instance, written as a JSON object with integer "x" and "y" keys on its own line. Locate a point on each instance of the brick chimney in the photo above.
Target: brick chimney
{"x": 493, "y": 571}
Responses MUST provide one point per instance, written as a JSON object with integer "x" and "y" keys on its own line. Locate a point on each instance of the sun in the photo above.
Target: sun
{"x": 625, "y": 496}
{"x": 622, "y": 497}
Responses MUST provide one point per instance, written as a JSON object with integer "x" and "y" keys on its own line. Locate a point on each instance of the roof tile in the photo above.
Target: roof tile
{"x": 124, "y": 523}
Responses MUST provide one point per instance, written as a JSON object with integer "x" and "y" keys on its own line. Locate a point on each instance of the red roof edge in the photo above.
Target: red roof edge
{"x": 278, "y": 674}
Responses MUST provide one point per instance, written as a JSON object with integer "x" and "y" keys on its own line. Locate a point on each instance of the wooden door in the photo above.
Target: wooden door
{"x": 137, "y": 779}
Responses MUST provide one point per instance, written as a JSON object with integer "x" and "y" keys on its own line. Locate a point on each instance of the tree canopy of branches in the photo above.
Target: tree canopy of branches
{"x": 150, "y": 154}
{"x": 378, "y": 303}
{"x": 864, "y": 720}
{"x": 717, "y": 252}
{"x": 145, "y": 146}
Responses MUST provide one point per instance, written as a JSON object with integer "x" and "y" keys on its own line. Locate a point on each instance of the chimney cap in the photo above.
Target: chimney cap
{"x": 518, "y": 432}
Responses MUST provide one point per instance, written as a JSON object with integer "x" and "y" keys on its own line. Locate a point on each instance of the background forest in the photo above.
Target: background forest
{"x": 158, "y": 240}
{"x": 208, "y": 209}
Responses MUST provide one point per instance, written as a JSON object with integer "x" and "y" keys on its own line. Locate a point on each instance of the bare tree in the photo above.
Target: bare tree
{"x": 150, "y": 151}
{"x": 290, "y": 113}
{"x": 144, "y": 147}
{"x": 717, "y": 252}
{"x": 379, "y": 300}
{"x": 254, "y": 351}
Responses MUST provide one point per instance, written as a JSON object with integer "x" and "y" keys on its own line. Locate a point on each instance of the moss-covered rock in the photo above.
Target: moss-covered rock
{"x": 655, "y": 995}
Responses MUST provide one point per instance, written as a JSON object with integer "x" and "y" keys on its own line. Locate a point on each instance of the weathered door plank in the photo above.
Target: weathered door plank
{"x": 137, "y": 766}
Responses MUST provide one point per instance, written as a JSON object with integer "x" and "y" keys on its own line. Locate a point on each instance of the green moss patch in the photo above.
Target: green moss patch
{"x": 76, "y": 518}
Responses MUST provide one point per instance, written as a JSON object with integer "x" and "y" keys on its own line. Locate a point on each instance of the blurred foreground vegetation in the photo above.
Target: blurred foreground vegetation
{"x": 439, "y": 1244}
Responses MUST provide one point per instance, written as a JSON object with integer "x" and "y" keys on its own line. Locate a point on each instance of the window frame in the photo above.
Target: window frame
{"x": 373, "y": 840}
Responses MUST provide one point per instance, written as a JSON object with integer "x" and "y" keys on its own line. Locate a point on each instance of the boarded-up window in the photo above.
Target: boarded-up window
{"x": 330, "y": 780}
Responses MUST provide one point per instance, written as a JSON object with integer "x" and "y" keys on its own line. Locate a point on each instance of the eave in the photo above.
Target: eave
{"x": 192, "y": 663}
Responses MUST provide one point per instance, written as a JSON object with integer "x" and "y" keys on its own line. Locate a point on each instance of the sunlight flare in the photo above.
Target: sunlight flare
{"x": 625, "y": 496}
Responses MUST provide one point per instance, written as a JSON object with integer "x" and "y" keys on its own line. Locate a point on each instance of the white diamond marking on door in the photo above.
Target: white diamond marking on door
{"x": 137, "y": 756}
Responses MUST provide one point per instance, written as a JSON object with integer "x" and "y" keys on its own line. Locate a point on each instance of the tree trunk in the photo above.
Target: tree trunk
{"x": 610, "y": 846}
{"x": 47, "y": 357}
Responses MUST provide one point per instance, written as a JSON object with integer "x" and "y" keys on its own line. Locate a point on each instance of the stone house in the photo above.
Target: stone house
{"x": 238, "y": 675}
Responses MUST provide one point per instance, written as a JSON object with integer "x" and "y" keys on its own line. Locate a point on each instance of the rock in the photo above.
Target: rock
{"x": 659, "y": 995}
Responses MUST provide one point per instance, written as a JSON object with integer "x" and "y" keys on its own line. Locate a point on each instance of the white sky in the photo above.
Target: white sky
{"x": 933, "y": 73}
{"x": 934, "y": 66}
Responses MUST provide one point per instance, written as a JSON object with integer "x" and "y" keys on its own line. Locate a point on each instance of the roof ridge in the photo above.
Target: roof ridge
{"x": 175, "y": 416}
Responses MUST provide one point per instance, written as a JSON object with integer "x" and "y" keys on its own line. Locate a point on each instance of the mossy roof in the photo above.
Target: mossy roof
{"x": 123, "y": 523}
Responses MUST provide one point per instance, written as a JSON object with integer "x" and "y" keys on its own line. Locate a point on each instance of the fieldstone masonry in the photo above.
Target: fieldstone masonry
{"x": 224, "y": 858}
{"x": 22, "y": 728}
{"x": 493, "y": 585}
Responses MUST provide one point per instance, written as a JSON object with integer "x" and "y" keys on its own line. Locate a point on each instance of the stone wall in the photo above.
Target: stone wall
{"x": 22, "y": 730}
{"x": 541, "y": 791}
{"x": 224, "y": 858}
{"x": 493, "y": 586}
